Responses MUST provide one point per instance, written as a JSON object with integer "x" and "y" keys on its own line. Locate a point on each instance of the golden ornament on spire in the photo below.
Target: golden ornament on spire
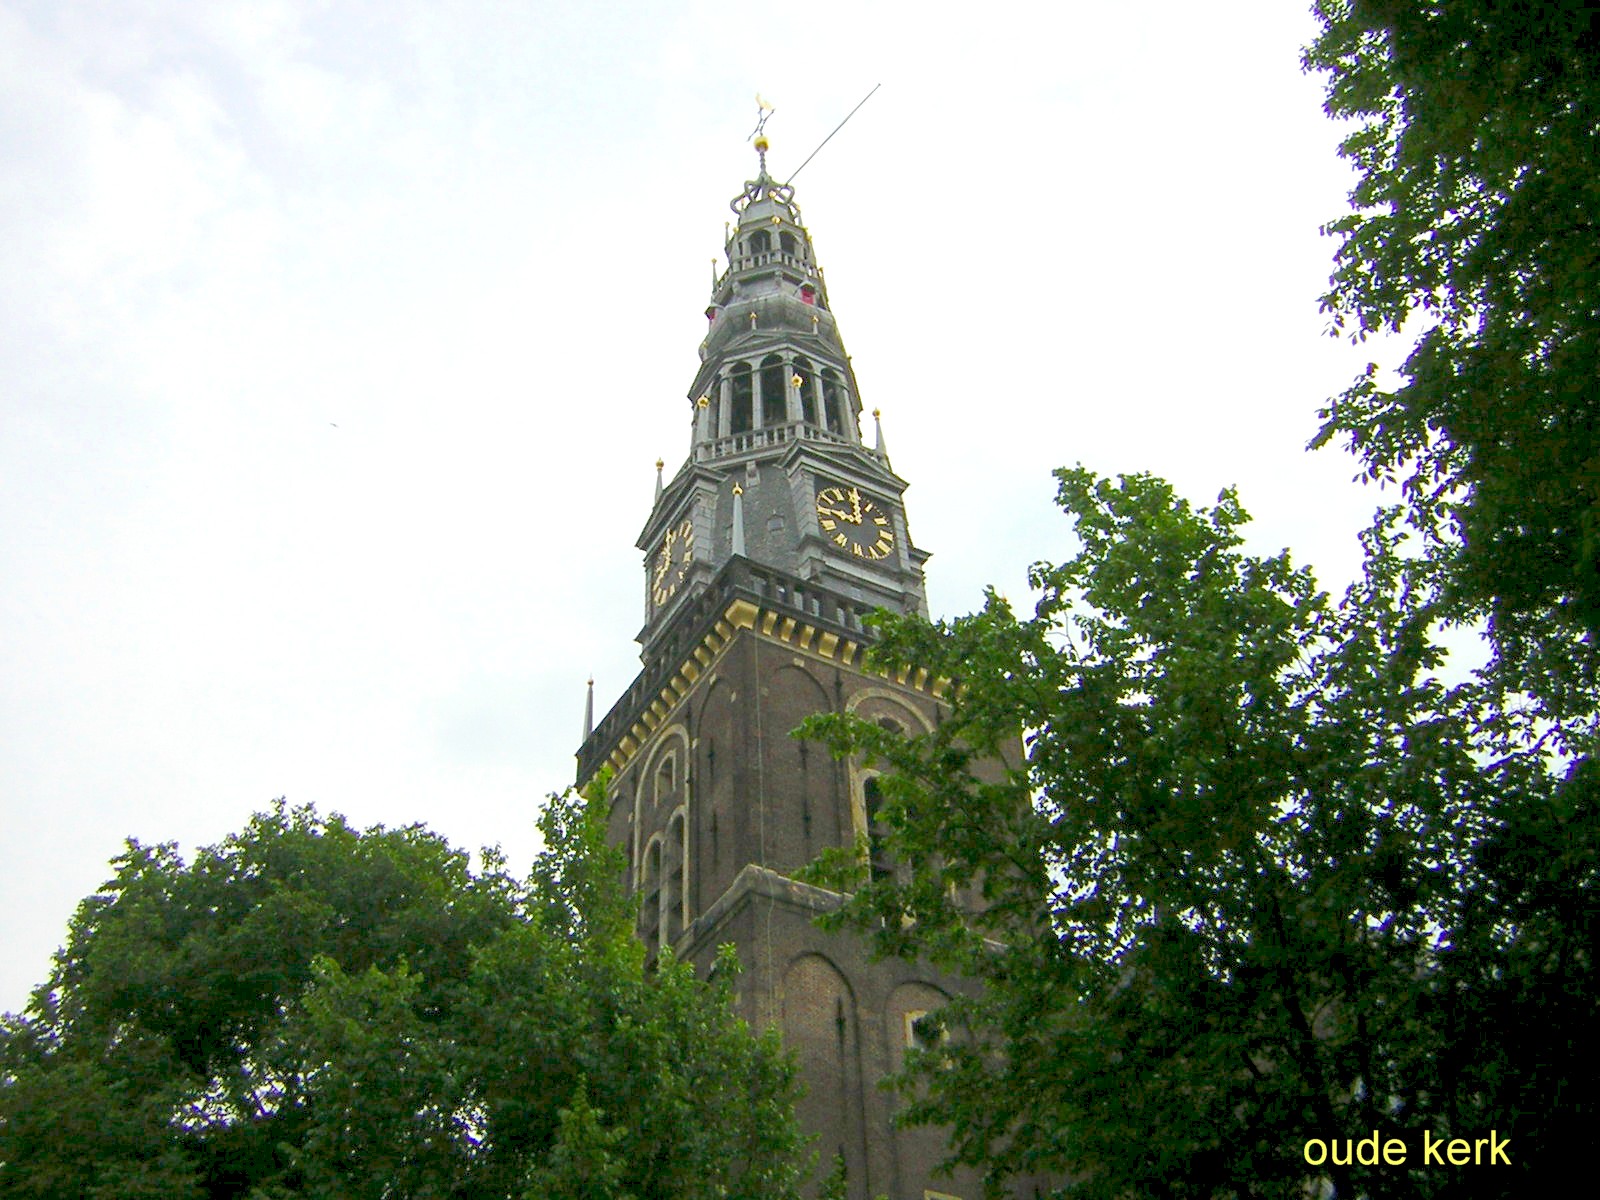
{"x": 759, "y": 134}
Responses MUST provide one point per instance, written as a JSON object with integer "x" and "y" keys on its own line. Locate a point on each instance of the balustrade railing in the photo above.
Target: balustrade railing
{"x": 767, "y": 435}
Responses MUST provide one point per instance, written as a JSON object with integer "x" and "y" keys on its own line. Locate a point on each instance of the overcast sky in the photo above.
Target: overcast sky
{"x": 338, "y": 342}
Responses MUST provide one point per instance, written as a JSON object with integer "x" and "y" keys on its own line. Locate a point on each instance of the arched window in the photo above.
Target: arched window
{"x": 760, "y": 242}
{"x": 672, "y": 882}
{"x": 833, "y": 402}
{"x": 808, "y": 391}
{"x": 786, "y": 243}
{"x": 666, "y": 777}
{"x": 877, "y": 855}
{"x": 743, "y": 416}
{"x": 650, "y": 908}
{"x": 924, "y": 1031}
{"x": 774, "y": 391}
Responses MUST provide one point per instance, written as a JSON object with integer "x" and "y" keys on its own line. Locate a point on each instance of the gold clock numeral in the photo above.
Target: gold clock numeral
{"x": 839, "y": 539}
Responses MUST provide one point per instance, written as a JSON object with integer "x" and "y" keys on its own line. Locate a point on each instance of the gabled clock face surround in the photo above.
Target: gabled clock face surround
{"x": 854, "y": 522}
{"x": 671, "y": 562}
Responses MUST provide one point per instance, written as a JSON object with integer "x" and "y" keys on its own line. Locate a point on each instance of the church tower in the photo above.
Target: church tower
{"x": 762, "y": 553}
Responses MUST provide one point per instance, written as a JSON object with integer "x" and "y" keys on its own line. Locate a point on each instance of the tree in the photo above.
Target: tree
{"x": 1475, "y": 214}
{"x": 1259, "y": 876}
{"x": 308, "y": 1010}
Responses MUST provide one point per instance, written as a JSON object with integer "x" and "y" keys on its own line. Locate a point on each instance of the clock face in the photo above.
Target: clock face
{"x": 671, "y": 562}
{"x": 854, "y": 522}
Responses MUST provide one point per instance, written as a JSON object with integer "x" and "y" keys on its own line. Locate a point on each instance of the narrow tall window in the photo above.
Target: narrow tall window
{"x": 833, "y": 401}
{"x": 672, "y": 883}
{"x": 744, "y": 390}
{"x": 808, "y": 391}
{"x": 774, "y": 392}
{"x": 650, "y": 909}
{"x": 877, "y": 853}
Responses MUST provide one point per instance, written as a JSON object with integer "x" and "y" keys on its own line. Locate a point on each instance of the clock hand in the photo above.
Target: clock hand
{"x": 855, "y": 503}
{"x": 839, "y": 514}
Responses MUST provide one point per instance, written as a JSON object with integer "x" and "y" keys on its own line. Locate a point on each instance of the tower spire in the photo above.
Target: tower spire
{"x": 779, "y": 472}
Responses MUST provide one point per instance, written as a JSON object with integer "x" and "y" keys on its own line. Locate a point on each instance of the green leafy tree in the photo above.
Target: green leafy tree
{"x": 308, "y": 1010}
{"x": 1257, "y": 875}
{"x": 1478, "y": 150}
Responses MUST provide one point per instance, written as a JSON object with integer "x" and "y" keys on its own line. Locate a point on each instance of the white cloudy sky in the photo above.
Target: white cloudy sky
{"x": 338, "y": 340}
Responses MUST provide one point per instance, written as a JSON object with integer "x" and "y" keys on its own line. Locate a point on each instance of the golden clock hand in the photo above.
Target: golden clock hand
{"x": 838, "y": 513}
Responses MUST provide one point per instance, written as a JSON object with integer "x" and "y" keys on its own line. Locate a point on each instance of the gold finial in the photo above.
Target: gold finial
{"x": 703, "y": 401}
{"x": 876, "y": 413}
{"x": 737, "y": 490}
{"x": 759, "y": 134}
{"x": 795, "y": 379}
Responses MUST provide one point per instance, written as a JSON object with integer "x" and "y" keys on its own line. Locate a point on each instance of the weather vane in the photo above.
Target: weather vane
{"x": 763, "y": 111}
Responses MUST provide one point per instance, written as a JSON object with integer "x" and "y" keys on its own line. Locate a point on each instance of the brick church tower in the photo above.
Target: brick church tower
{"x": 780, "y": 531}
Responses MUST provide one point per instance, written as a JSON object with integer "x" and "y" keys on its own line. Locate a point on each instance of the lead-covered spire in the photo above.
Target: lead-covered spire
{"x": 773, "y": 367}
{"x": 780, "y": 484}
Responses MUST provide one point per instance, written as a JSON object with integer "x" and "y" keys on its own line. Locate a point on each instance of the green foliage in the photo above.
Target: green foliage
{"x": 308, "y": 1010}
{"x": 1475, "y": 214}
{"x": 1255, "y": 875}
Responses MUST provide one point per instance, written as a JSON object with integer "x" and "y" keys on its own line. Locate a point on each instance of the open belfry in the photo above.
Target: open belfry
{"x": 762, "y": 554}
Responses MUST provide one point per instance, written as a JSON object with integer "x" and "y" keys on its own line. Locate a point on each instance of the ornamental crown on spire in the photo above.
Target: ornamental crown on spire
{"x": 763, "y": 189}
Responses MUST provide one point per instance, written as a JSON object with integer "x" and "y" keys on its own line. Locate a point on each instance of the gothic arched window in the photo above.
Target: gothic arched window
{"x": 672, "y": 882}
{"x": 760, "y": 242}
{"x": 650, "y": 909}
{"x": 877, "y": 855}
